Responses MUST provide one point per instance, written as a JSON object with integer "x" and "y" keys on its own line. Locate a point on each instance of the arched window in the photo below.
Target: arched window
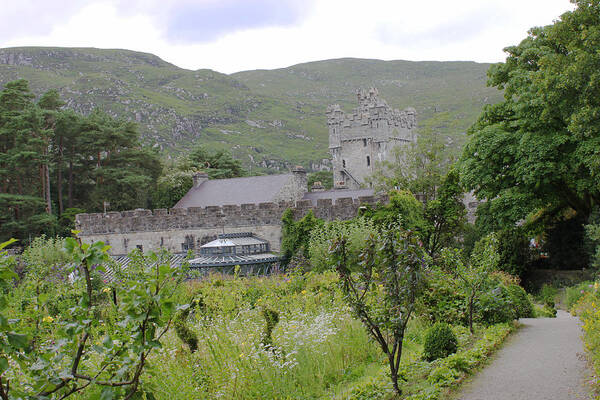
{"x": 368, "y": 161}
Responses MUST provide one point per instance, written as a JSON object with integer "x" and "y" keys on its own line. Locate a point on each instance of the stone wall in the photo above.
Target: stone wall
{"x": 180, "y": 229}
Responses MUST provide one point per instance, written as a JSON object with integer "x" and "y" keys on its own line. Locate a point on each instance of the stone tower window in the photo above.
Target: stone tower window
{"x": 364, "y": 142}
{"x": 188, "y": 244}
{"x": 344, "y": 163}
{"x": 368, "y": 161}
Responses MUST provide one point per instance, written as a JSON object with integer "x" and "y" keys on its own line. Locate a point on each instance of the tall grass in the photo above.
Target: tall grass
{"x": 312, "y": 352}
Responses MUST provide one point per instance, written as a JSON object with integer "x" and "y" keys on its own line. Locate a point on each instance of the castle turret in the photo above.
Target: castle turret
{"x": 359, "y": 140}
{"x": 335, "y": 118}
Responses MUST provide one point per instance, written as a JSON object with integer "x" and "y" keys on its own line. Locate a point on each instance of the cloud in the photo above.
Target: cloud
{"x": 30, "y": 17}
{"x": 473, "y": 23}
{"x": 205, "y": 21}
{"x": 235, "y": 35}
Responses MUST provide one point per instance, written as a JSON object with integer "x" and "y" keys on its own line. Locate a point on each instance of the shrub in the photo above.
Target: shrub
{"x": 356, "y": 232}
{"x": 473, "y": 277}
{"x": 184, "y": 333}
{"x": 575, "y": 293}
{"x": 271, "y": 319}
{"x": 296, "y": 234}
{"x": 442, "y": 301}
{"x": 588, "y": 310}
{"x": 544, "y": 312}
{"x": 547, "y": 295}
{"x": 505, "y": 278}
{"x": 520, "y": 301}
{"x": 382, "y": 293}
{"x": 514, "y": 251}
{"x": 440, "y": 342}
{"x": 495, "y": 306}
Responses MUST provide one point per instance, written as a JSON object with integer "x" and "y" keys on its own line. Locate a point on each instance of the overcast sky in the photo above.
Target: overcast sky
{"x": 236, "y": 35}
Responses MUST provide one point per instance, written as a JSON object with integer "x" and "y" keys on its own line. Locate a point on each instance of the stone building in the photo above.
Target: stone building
{"x": 222, "y": 206}
{"x": 357, "y": 141}
{"x": 240, "y": 206}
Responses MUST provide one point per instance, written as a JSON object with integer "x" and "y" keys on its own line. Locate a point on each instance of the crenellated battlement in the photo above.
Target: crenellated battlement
{"x": 366, "y": 136}
{"x": 174, "y": 227}
{"x": 372, "y": 119}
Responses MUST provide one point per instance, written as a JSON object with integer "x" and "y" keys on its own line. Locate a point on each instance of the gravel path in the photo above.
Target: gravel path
{"x": 542, "y": 361}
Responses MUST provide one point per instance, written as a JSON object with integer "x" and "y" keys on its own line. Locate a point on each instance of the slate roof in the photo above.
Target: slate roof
{"x": 235, "y": 191}
{"x": 338, "y": 194}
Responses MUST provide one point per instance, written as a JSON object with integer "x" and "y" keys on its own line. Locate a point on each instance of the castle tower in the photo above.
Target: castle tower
{"x": 367, "y": 136}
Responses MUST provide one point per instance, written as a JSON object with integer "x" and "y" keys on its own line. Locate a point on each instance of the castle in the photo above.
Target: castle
{"x": 256, "y": 204}
{"x": 366, "y": 136}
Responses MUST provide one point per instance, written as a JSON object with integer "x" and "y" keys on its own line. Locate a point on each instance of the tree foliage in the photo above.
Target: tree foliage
{"x": 403, "y": 209}
{"x": 218, "y": 164}
{"x": 383, "y": 290}
{"x": 419, "y": 167}
{"x": 53, "y": 159}
{"x": 540, "y": 147}
{"x": 473, "y": 275}
{"x": 295, "y": 235}
{"x": 99, "y": 342}
{"x": 437, "y": 223}
{"x": 325, "y": 177}
{"x": 445, "y": 215}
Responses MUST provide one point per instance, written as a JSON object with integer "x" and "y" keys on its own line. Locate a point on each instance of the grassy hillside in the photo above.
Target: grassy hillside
{"x": 448, "y": 96}
{"x": 268, "y": 119}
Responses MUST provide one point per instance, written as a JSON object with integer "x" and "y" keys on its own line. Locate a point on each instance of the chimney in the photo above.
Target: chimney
{"x": 300, "y": 182}
{"x": 299, "y": 169}
{"x": 317, "y": 187}
{"x": 341, "y": 185}
{"x": 200, "y": 178}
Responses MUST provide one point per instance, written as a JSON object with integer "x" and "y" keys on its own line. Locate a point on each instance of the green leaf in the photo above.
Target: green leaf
{"x": 150, "y": 396}
{"x": 169, "y": 307}
{"x": 139, "y": 395}
{"x": 108, "y": 393}
{"x": 7, "y": 274}
{"x": 3, "y": 365}
{"x": 7, "y": 243}
{"x": 70, "y": 244}
{"x": 18, "y": 341}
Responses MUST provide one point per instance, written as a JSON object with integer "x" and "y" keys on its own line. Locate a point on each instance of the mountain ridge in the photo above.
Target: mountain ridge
{"x": 269, "y": 119}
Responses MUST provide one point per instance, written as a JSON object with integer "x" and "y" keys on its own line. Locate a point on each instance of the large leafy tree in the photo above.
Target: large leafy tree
{"x": 540, "y": 147}
{"x": 25, "y": 201}
{"x": 445, "y": 215}
{"x": 47, "y": 151}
